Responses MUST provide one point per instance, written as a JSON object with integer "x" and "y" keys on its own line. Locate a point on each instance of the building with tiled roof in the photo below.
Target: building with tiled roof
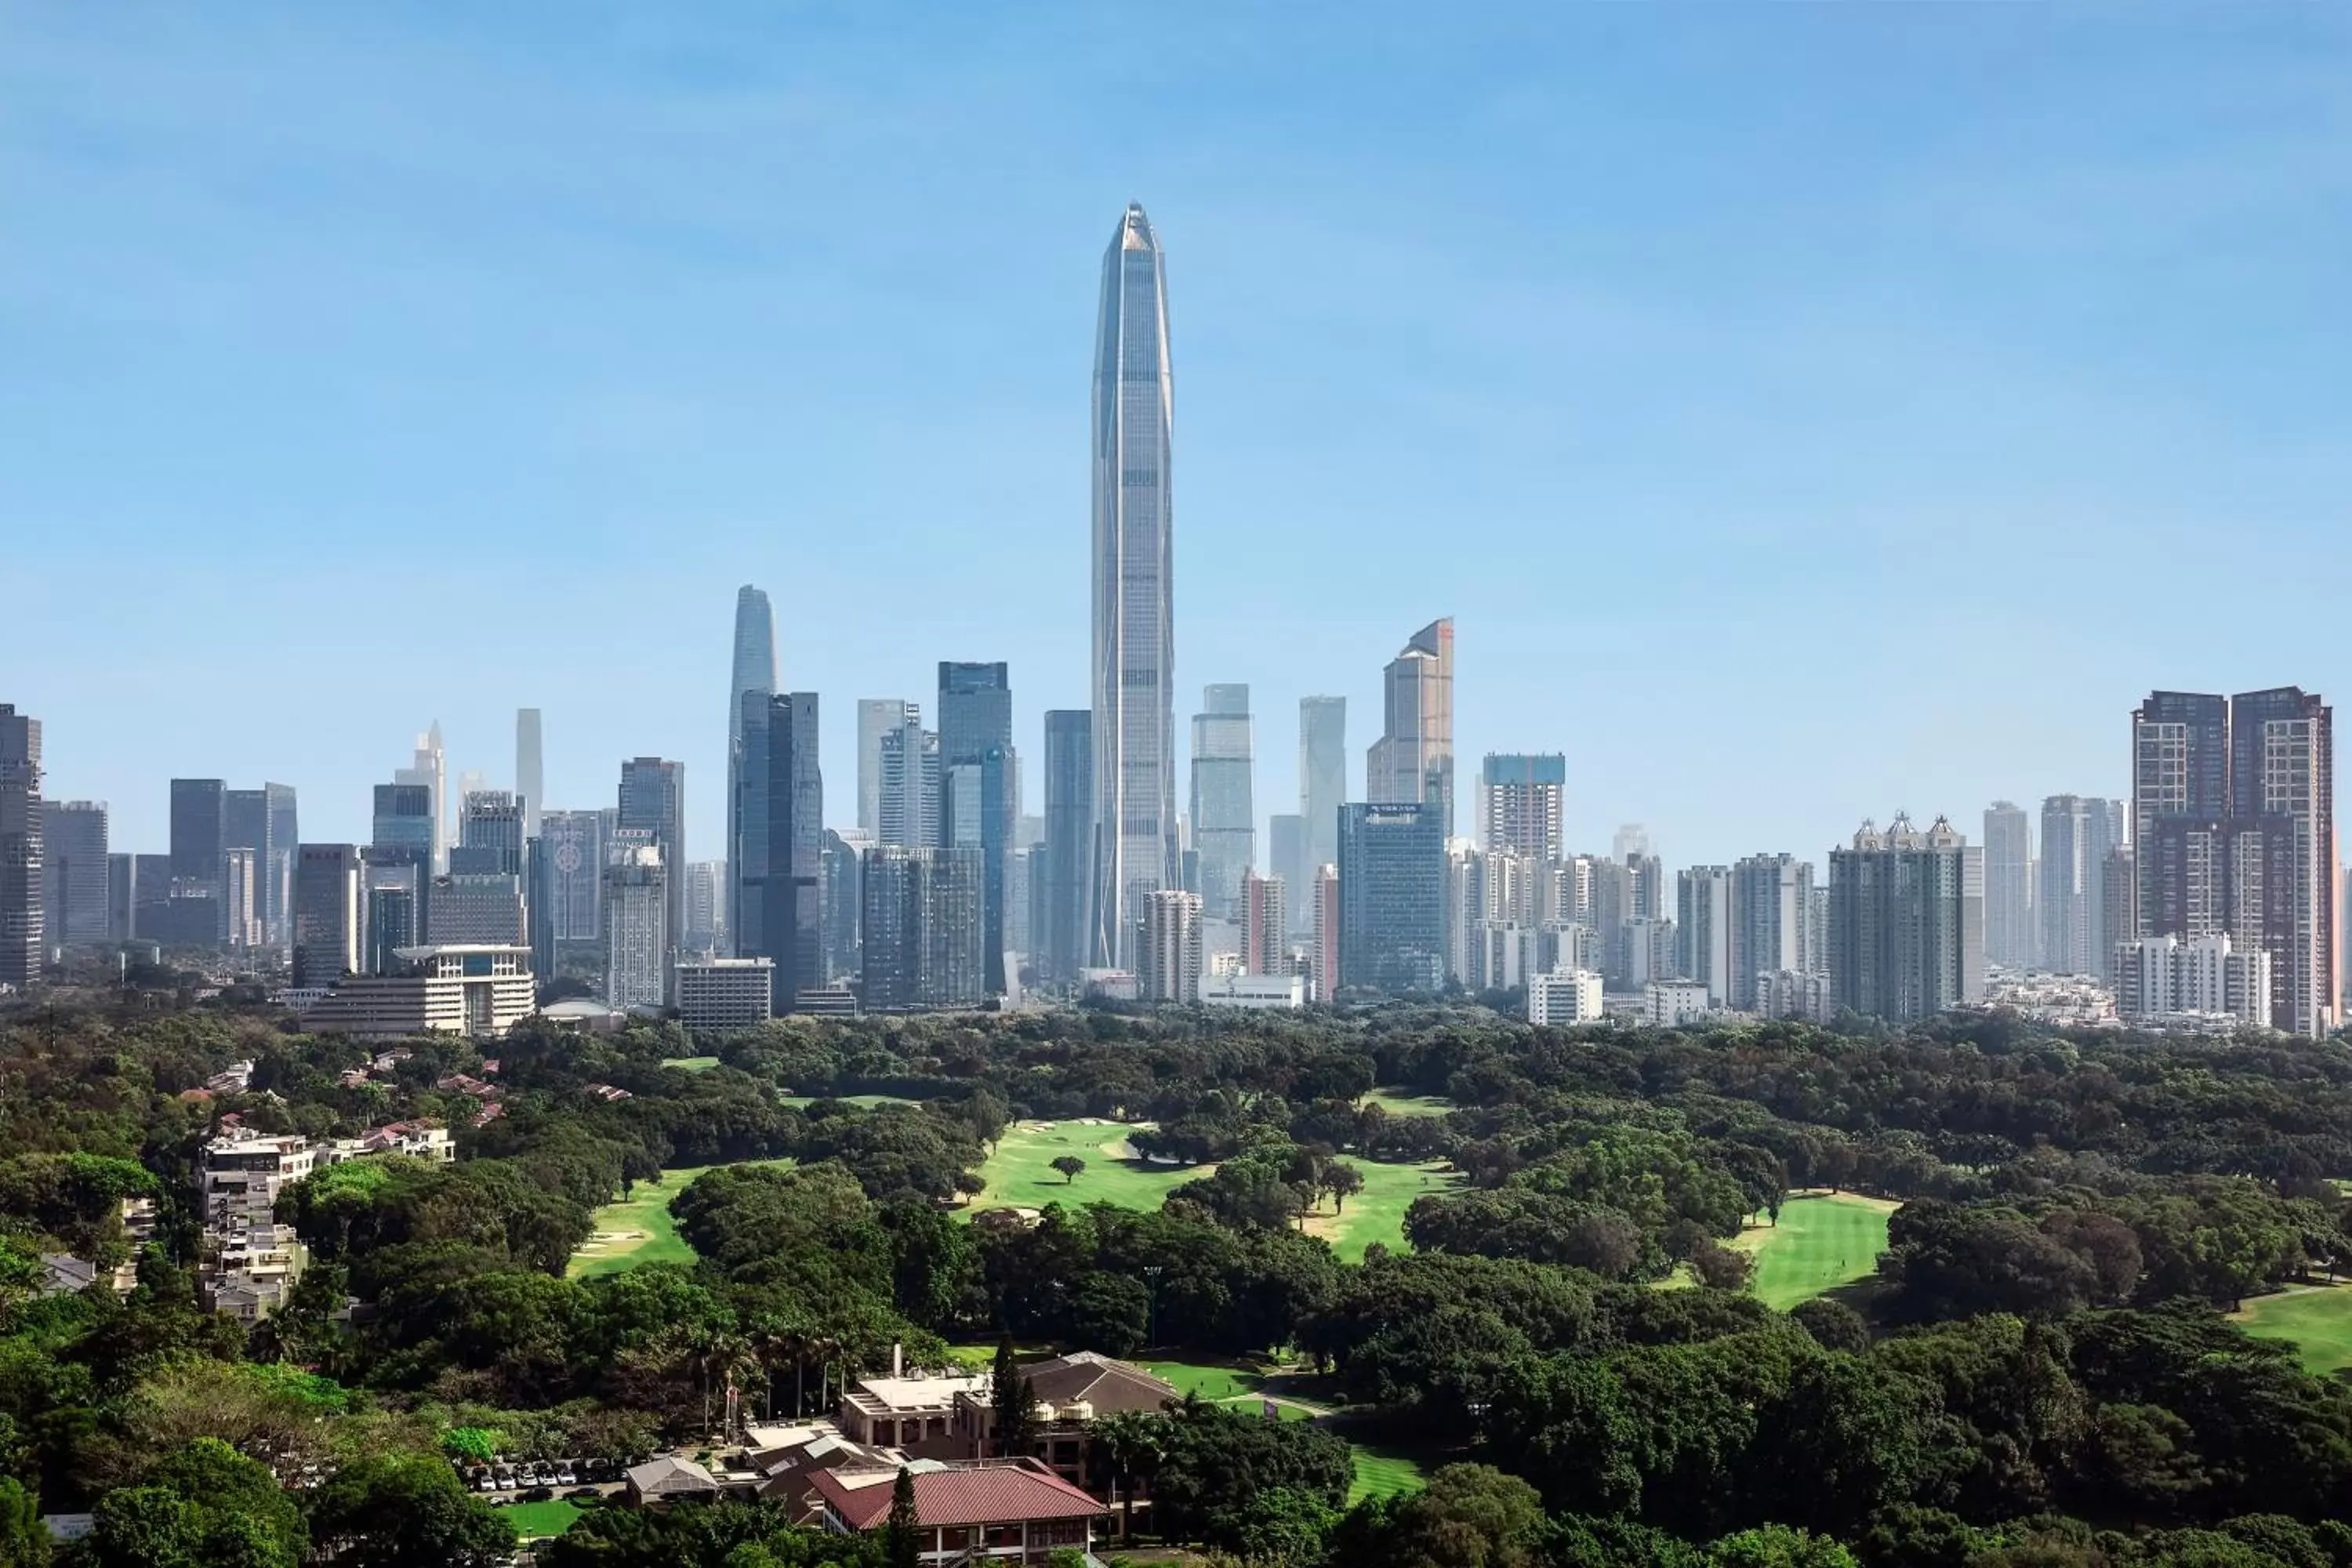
{"x": 988, "y": 1512}
{"x": 1073, "y": 1392}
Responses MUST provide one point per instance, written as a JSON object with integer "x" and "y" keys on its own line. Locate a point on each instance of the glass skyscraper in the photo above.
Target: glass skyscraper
{"x": 1134, "y": 620}
{"x": 754, "y": 675}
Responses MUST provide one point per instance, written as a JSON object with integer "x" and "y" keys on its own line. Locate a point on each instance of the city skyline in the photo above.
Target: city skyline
{"x": 277, "y": 397}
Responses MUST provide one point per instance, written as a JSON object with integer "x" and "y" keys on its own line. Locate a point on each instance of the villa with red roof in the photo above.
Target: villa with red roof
{"x": 986, "y": 1511}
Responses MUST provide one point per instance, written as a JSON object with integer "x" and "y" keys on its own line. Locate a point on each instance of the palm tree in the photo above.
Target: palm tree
{"x": 1131, "y": 1444}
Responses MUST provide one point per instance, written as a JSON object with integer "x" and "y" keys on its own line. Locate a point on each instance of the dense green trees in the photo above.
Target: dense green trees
{"x": 2038, "y": 1372}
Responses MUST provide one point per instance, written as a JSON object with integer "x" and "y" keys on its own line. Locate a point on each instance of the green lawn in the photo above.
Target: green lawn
{"x": 1397, "y": 1102}
{"x": 1212, "y": 1383}
{"x": 1824, "y": 1240}
{"x": 1377, "y": 1214}
{"x": 1021, "y": 1174}
{"x": 533, "y": 1519}
{"x": 639, "y": 1229}
{"x": 869, "y": 1101}
{"x": 2318, "y": 1320}
{"x": 692, "y": 1064}
{"x": 1383, "y": 1472}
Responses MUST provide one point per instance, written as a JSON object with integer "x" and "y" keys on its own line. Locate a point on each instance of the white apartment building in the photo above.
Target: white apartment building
{"x": 1563, "y": 997}
{"x": 1672, "y": 1003}
{"x": 2164, "y": 978}
{"x": 241, "y": 1175}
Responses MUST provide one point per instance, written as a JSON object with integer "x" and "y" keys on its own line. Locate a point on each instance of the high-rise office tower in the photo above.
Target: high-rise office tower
{"x": 240, "y": 904}
{"x": 74, "y": 862}
{"x": 1772, "y": 903}
{"x": 1631, "y": 840}
{"x": 653, "y": 799}
{"x": 877, "y": 716}
{"x": 1063, "y": 947}
{"x": 1703, "y": 930}
{"x": 975, "y": 712}
{"x": 1322, "y": 776}
{"x": 403, "y": 830}
{"x": 21, "y": 933}
{"x": 327, "y": 913}
{"x": 490, "y": 833}
{"x": 1167, "y": 949}
{"x": 908, "y": 812}
{"x": 637, "y": 945}
{"x": 975, "y": 716}
{"x": 1134, "y": 662}
{"x": 1519, "y": 802}
{"x": 278, "y": 874}
{"x": 2233, "y": 811}
{"x": 791, "y": 908}
{"x": 199, "y": 828}
{"x": 751, "y": 805}
{"x": 150, "y": 897}
{"x": 841, "y": 890}
{"x": 1266, "y": 925}
{"x": 922, "y": 933}
{"x": 1285, "y": 857}
{"x": 1906, "y": 921}
{"x": 2009, "y": 883}
{"x": 245, "y": 825}
{"x": 752, "y": 676}
{"x": 1224, "y": 812}
{"x": 531, "y": 769}
{"x": 706, "y": 896}
{"x": 392, "y": 924}
{"x": 1323, "y": 954}
{"x": 1391, "y": 897}
{"x": 1413, "y": 762}
{"x": 975, "y": 814}
{"x": 430, "y": 768}
{"x": 199, "y": 840}
{"x": 469, "y": 907}
{"x": 572, "y": 850}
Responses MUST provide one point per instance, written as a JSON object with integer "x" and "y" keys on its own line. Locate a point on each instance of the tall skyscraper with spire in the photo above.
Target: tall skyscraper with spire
{"x": 754, "y": 676}
{"x": 1134, "y": 613}
{"x": 1413, "y": 762}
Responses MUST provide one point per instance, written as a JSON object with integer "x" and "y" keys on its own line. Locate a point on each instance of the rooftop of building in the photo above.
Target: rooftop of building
{"x": 892, "y": 1395}
{"x": 978, "y": 1492}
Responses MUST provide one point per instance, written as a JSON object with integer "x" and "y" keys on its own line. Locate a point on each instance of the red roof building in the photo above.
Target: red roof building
{"x": 981, "y": 1511}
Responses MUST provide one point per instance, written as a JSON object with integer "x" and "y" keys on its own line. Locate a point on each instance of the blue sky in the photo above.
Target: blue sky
{"x": 1805, "y": 411}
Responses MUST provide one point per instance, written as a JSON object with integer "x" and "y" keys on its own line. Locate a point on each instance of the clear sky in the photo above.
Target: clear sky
{"x": 1805, "y": 411}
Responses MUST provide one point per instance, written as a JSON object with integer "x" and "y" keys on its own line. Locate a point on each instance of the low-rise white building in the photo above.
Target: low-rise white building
{"x": 1565, "y": 997}
{"x": 1253, "y": 990}
{"x": 1672, "y": 1003}
{"x": 476, "y": 989}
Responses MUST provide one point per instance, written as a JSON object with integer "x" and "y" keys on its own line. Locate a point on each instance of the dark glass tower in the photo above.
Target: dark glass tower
{"x": 790, "y": 914}
{"x": 754, "y": 677}
{"x": 1063, "y": 948}
{"x": 975, "y": 716}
